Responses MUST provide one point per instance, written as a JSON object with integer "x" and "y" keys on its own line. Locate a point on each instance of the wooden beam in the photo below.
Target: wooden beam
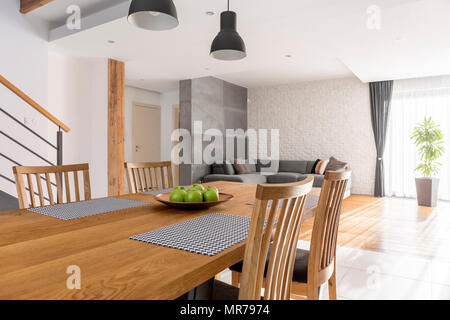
{"x": 29, "y": 5}
{"x": 116, "y": 131}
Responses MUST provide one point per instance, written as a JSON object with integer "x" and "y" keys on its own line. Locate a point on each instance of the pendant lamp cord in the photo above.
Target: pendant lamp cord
{"x": 228, "y": 5}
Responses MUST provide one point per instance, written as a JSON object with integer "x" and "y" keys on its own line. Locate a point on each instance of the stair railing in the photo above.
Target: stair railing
{"x": 59, "y": 134}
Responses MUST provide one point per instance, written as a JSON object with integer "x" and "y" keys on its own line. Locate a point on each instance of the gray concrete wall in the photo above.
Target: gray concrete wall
{"x": 218, "y": 104}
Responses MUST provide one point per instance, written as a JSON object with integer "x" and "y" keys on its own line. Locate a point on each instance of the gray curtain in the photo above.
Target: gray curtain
{"x": 380, "y": 102}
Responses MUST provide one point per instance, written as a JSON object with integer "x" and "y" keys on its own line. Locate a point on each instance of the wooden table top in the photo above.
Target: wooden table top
{"x": 36, "y": 250}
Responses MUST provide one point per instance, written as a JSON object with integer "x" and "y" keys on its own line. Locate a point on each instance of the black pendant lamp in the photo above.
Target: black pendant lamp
{"x": 228, "y": 44}
{"x": 153, "y": 14}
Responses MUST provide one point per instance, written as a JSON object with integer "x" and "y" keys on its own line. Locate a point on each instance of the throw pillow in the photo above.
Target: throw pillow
{"x": 218, "y": 168}
{"x": 335, "y": 165}
{"x": 321, "y": 166}
{"x": 228, "y": 168}
{"x": 313, "y": 170}
{"x": 239, "y": 167}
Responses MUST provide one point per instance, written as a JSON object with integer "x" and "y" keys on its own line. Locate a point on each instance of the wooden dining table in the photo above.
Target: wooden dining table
{"x": 36, "y": 251}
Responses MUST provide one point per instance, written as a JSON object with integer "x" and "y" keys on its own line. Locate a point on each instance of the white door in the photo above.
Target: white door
{"x": 146, "y": 133}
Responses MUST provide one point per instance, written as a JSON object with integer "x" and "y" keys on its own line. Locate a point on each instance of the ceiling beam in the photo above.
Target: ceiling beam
{"x": 29, "y": 5}
{"x": 96, "y": 19}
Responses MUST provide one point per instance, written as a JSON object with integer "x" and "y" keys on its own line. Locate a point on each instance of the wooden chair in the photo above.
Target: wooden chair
{"x": 315, "y": 267}
{"x": 148, "y": 176}
{"x": 46, "y": 173}
{"x": 283, "y": 220}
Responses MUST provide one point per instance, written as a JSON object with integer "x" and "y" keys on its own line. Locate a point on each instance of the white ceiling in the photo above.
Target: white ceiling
{"x": 55, "y": 12}
{"x": 326, "y": 38}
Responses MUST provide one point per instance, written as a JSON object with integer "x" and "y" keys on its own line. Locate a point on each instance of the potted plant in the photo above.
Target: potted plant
{"x": 428, "y": 138}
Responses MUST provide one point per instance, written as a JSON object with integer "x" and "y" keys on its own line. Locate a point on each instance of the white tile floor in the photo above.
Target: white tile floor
{"x": 363, "y": 275}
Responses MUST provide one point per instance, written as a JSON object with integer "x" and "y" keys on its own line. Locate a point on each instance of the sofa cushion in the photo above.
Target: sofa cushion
{"x": 218, "y": 168}
{"x": 285, "y": 177}
{"x": 251, "y": 167}
{"x": 222, "y": 168}
{"x": 245, "y": 178}
{"x": 321, "y": 166}
{"x": 335, "y": 165}
{"x": 318, "y": 180}
{"x": 298, "y": 166}
{"x": 253, "y": 178}
{"x": 265, "y": 165}
{"x": 240, "y": 167}
{"x": 313, "y": 169}
{"x": 310, "y": 166}
{"x": 228, "y": 169}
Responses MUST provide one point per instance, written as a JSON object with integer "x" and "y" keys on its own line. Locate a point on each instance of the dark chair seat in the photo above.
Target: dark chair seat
{"x": 300, "y": 266}
{"x": 220, "y": 291}
{"x": 224, "y": 291}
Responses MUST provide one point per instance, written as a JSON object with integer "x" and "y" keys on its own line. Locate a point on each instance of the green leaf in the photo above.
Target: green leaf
{"x": 429, "y": 139}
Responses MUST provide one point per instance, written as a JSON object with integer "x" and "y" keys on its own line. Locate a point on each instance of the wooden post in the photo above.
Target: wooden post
{"x": 116, "y": 131}
{"x": 30, "y": 5}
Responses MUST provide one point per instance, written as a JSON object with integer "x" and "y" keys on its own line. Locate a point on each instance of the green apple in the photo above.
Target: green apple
{"x": 193, "y": 196}
{"x": 180, "y": 188}
{"x": 177, "y": 196}
{"x": 197, "y": 187}
{"x": 210, "y": 196}
{"x": 213, "y": 188}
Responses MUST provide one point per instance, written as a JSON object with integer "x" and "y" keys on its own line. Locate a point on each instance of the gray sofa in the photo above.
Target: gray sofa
{"x": 288, "y": 171}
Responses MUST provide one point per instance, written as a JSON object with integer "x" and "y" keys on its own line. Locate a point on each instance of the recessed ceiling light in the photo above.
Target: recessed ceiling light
{"x": 111, "y": 41}
{"x": 288, "y": 55}
{"x": 210, "y": 13}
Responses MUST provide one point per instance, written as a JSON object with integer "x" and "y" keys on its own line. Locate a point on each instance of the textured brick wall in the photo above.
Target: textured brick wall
{"x": 320, "y": 119}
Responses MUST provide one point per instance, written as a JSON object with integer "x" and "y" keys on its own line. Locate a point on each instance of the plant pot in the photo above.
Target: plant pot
{"x": 427, "y": 191}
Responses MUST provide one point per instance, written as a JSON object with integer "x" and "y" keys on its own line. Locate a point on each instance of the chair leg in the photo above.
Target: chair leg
{"x": 332, "y": 286}
{"x": 313, "y": 292}
{"x": 235, "y": 278}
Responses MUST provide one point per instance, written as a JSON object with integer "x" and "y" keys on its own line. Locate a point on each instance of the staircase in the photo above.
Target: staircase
{"x": 28, "y": 148}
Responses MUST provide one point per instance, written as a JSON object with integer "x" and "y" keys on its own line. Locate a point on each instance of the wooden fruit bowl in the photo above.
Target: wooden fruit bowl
{"x": 165, "y": 199}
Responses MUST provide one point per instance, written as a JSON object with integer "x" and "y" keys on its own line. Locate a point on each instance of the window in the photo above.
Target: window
{"x": 412, "y": 100}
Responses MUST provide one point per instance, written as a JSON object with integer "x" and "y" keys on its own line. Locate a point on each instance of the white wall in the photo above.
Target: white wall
{"x": 23, "y": 50}
{"x": 320, "y": 119}
{"x": 24, "y": 62}
{"x": 168, "y": 101}
{"x": 78, "y": 91}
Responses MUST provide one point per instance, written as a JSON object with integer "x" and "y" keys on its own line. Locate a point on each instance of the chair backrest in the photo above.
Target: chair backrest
{"x": 53, "y": 176}
{"x": 326, "y": 225}
{"x": 281, "y": 223}
{"x": 149, "y": 176}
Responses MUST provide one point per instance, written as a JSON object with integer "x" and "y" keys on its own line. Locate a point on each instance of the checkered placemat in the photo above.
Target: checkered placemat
{"x": 158, "y": 191}
{"x": 207, "y": 235}
{"x": 75, "y": 210}
{"x": 311, "y": 202}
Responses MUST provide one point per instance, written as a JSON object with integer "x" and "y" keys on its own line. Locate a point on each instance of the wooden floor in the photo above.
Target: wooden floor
{"x": 395, "y": 226}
